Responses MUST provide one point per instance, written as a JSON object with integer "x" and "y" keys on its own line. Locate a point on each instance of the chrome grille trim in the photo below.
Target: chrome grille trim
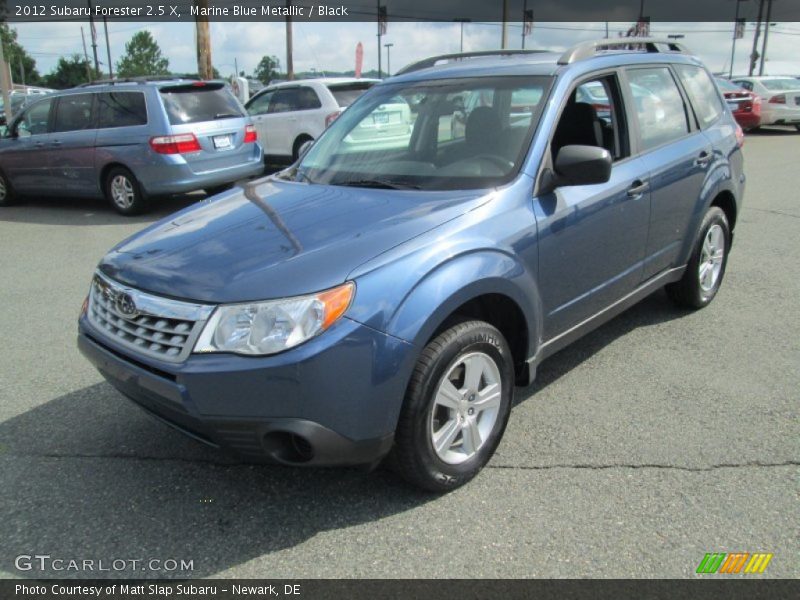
{"x": 149, "y": 325}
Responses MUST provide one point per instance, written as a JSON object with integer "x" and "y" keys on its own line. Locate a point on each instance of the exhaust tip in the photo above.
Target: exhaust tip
{"x": 288, "y": 447}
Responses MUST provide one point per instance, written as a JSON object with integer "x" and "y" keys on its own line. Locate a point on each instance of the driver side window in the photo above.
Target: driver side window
{"x": 594, "y": 116}
{"x": 35, "y": 120}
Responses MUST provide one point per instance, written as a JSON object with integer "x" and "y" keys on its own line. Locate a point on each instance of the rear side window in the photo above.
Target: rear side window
{"x": 659, "y": 106}
{"x": 294, "y": 98}
{"x": 74, "y": 113}
{"x": 121, "y": 109}
{"x": 702, "y": 93}
{"x": 197, "y": 103}
{"x": 347, "y": 93}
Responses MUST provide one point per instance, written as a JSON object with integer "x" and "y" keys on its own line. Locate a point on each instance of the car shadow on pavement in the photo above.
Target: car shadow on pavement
{"x": 656, "y": 308}
{"x": 773, "y": 130}
{"x": 89, "y": 211}
{"x": 90, "y": 476}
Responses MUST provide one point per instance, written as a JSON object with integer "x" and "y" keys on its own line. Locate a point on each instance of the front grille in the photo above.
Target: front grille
{"x": 150, "y": 325}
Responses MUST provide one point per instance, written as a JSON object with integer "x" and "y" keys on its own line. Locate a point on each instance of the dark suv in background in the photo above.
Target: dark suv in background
{"x": 129, "y": 140}
{"x": 381, "y": 300}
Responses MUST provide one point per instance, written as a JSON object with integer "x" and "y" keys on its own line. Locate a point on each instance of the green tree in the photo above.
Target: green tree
{"x": 16, "y": 55}
{"x": 142, "y": 57}
{"x": 70, "y": 72}
{"x": 268, "y": 69}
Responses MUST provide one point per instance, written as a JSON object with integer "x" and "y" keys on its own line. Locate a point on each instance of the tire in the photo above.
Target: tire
{"x": 797, "y": 126}
{"x": 706, "y": 268}
{"x": 7, "y": 196}
{"x": 456, "y": 354}
{"x": 218, "y": 189}
{"x": 298, "y": 144}
{"x": 124, "y": 192}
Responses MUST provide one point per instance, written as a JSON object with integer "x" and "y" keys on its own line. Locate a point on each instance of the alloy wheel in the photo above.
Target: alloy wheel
{"x": 711, "y": 257}
{"x": 122, "y": 192}
{"x": 466, "y": 407}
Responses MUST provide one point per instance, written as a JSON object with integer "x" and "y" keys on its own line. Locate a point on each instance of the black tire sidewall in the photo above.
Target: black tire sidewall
{"x": 139, "y": 201}
{"x": 479, "y": 337}
{"x": 9, "y": 197}
{"x": 713, "y": 216}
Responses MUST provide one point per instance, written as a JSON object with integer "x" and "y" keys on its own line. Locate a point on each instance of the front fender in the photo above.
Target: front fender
{"x": 415, "y": 313}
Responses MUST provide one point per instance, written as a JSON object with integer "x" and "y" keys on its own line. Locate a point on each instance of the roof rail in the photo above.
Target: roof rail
{"x": 589, "y": 49}
{"x": 430, "y": 62}
{"x": 144, "y": 79}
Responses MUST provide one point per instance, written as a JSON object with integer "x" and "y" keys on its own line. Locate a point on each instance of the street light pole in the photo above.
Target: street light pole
{"x": 388, "y": 59}
{"x": 462, "y": 21}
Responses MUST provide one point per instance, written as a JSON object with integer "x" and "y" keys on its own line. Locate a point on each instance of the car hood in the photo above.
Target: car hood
{"x": 272, "y": 239}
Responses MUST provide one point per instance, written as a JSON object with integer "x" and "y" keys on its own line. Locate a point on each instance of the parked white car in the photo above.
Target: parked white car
{"x": 780, "y": 98}
{"x": 289, "y": 114}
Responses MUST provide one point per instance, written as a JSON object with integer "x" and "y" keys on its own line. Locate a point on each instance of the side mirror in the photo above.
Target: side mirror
{"x": 582, "y": 165}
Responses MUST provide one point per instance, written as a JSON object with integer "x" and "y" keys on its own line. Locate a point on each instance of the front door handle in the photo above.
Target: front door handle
{"x": 39, "y": 144}
{"x": 638, "y": 188}
{"x": 57, "y": 143}
{"x": 703, "y": 159}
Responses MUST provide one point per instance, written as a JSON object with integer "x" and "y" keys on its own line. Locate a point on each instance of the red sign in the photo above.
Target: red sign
{"x": 359, "y": 58}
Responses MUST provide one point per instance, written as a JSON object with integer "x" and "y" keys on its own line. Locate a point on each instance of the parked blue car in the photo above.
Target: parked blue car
{"x": 130, "y": 140}
{"x": 379, "y": 302}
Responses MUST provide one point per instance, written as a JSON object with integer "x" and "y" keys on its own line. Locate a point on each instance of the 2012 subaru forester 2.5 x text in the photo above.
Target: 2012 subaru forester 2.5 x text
{"x": 379, "y": 302}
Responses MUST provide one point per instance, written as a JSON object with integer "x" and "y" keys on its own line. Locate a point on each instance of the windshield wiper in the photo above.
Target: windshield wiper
{"x": 386, "y": 184}
{"x": 226, "y": 116}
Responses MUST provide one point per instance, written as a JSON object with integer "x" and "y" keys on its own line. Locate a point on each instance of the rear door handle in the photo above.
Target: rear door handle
{"x": 638, "y": 188}
{"x": 56, "y": 143}
{"x": 39, "y": 144}
{"x": 703, "y": 159}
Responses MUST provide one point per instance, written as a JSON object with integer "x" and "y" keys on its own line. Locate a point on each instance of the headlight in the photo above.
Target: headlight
{"x": 259, "y": 328}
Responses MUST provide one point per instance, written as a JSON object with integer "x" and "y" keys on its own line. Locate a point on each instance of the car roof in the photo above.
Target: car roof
{"x": 323, "y": 81}
{"x": 583, "y": 57}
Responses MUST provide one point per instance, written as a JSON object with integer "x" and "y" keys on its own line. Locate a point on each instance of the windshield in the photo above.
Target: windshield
{"x": 777, "y": 85}
{"x": 196, "y": 102}
{"x": 431, "y": 135}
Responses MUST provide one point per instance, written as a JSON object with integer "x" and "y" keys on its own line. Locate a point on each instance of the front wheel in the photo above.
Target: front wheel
{"x": 7, "y": 197}
{"x": 124, "y": 192}
{"x": 456, "y": 407}
{"x": 706, "y": 267}
{"x": 797, "y": 126}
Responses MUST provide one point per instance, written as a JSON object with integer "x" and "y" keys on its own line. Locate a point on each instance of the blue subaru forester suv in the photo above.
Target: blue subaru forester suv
{"x": 380, "y": 298}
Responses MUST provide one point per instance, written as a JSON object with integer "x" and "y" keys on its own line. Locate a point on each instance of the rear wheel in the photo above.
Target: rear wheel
{"x": 7, "y": 197}
{"x": 797, "y": 126}
{"x": 124, "y": 192}
{"x": 456, "y": 407}
{"x": 298, "y": 146}
{"x": 706, "y": 267}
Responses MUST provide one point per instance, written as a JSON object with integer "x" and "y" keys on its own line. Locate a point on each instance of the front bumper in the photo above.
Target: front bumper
{"x": 332, "y": 401}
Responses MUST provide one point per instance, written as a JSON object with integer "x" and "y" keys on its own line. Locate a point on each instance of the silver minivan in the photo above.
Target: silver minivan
{"x": 130, "y": 141}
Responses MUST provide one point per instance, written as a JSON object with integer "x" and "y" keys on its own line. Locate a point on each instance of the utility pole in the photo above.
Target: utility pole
{"x": 204, "y": 68}
{"x": 524, "y": 14}
{"x": 289, "y": 59}
{"x": 86, "y": 58}
{"x": 388, "y": 59}
{"x": 462, "y": 21}
{"x": 5, "y": 85}
{"x": 766, "y": 37}
{"x": 380, "y": 32}
{"x": 93, "y": 33}
{"x": 504, "y": 37}
{"x": 108, "y": 49}
{"x": 735, "y": 36}
{"x": 21, "y": 71}
{"x": 754, "y": 53}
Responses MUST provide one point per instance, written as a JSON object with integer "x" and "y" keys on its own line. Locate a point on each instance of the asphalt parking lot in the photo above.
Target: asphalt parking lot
{"x": 661, "y": 436}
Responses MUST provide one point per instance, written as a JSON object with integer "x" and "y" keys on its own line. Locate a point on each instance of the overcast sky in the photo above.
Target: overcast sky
{"x": 331, "y": 46}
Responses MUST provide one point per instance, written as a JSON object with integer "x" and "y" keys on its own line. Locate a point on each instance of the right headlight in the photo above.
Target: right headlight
{"x": 260, "y": 328}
